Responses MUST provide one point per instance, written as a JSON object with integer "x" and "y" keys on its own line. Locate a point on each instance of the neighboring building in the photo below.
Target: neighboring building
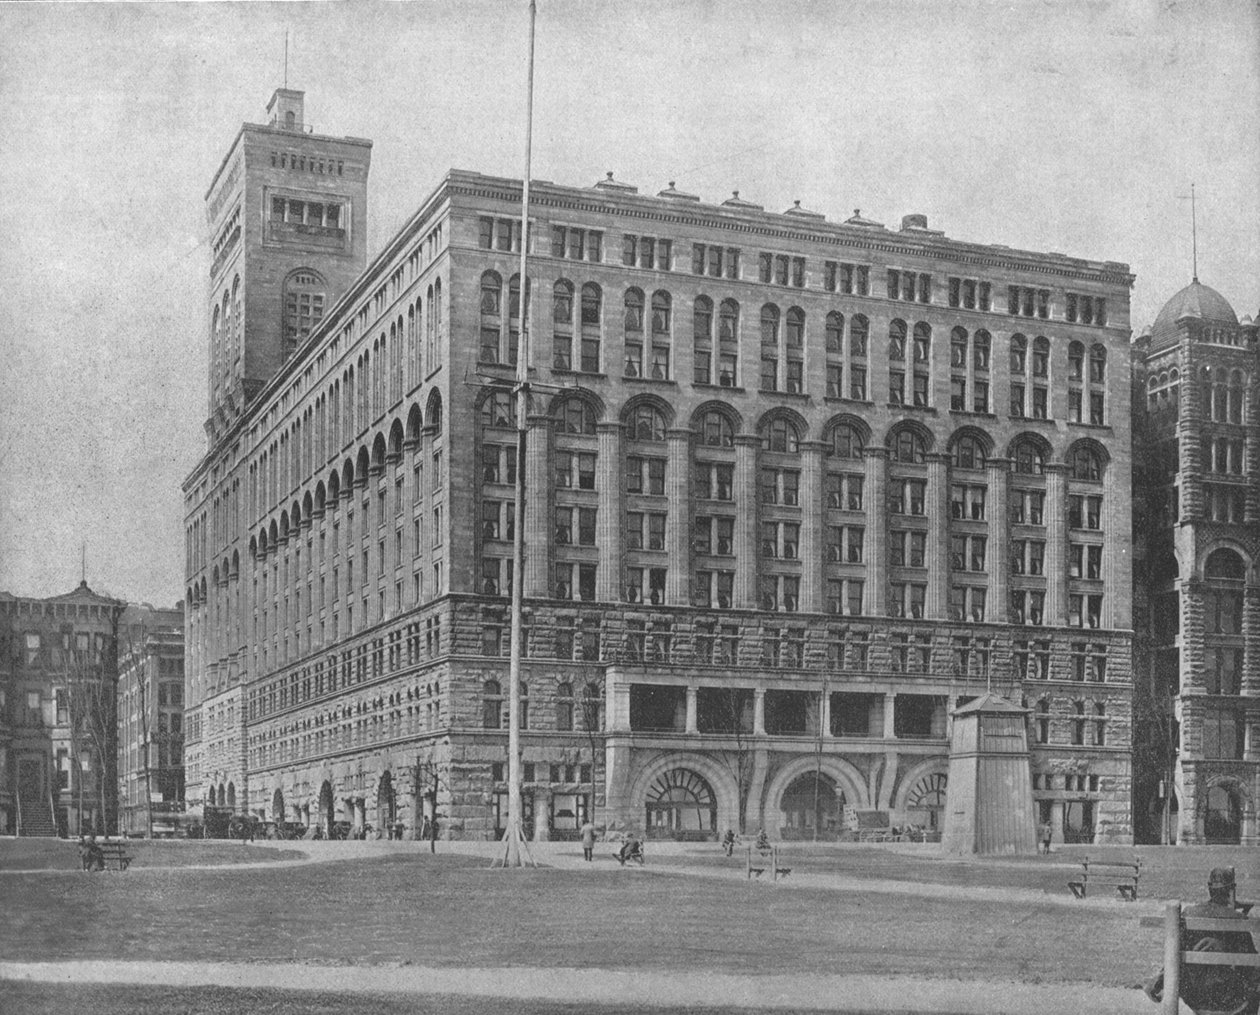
{"x": 151, "y": 720}
{"x": 58, "y": 667}
{"x": 1197, "y": 571}
{"x": 795, "y": 489}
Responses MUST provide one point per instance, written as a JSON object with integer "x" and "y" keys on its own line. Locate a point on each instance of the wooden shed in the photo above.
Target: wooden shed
{"x": 989, "y": 808}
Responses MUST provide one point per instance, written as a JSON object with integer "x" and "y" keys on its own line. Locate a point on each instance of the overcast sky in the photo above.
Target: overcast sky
{"x": 1067, "y": 126}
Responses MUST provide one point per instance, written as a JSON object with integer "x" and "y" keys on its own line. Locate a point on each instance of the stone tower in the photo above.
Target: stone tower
{"x": 287, "y": 215}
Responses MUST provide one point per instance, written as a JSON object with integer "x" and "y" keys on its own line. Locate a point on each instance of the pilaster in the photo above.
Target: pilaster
{"x": 876, "y": 550}
{"x": 997, "y": 512}
{"x": 812, "y": 513}
{"x": 608, "y": 526}
{"x": 678, "y": 524}
{"x": 538, "y": 506}
{"x": 1056, "y": 544}
{"x": 936, "y": 603}
{"x": 746, "y": 514}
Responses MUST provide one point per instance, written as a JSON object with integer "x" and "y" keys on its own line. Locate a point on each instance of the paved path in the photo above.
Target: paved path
{"x": 904, "y": 995}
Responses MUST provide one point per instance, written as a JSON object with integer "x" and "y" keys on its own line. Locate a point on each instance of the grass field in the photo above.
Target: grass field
{"x": 449, "y": 909}
{"x": 63, "y": 854}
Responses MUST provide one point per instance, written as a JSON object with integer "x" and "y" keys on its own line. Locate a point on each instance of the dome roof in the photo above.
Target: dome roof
{"x": 1195, "y": 300}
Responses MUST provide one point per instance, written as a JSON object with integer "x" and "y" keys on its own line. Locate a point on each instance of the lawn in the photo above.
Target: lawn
{"x": 1168, "y": 872}
{"x": 63, "y": 854}
{"x": 451, "y": 910}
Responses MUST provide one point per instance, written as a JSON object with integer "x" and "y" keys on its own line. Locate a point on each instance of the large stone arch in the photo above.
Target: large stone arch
{"x": 1237, "y": 788}
{"x": 911, "y": 778}
{"x": 719, "y": 777}
{"x": 1225, "y": 543}
{"x": 844, "y": 773}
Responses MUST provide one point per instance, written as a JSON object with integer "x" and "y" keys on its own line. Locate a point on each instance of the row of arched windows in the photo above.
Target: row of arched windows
{"x": 907, "y": 442}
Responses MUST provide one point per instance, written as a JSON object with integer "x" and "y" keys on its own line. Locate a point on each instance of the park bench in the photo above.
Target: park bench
{"x": 762, "y": 860}
{"x": 873, "y": 826}
{"x": 1122, "y": 875}
{"x": 1176, "y": 958}
{"x": 114, "y": 854}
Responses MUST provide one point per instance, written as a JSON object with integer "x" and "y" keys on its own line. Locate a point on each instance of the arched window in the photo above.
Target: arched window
{"x": 1076, "y": 362}
{"x": 499, "y": 410}
{"x": 795, "y": 327}
{"x": 562, "y": 302}
{"x": 1236, "y": 389}
{"x": 634, "y": 333}
{"x": 577, "y": 417}
{"x": 847, "y": 441}
{"x": 491, "y": 294}
{"x": 702, "y": 340}
{"x": 770, "y": 325}
{"x": 1224, "y": 564}
{"x": 491, "y": 705}
{"x": 780, "y": 435}
{"x": 907, "y": 447}
{"x": 1086, "y": 465}
{"x": 728, "y": 321}
{"x": 835, "y": 332}
{"x": 718, "y": 431}
{"x": 969, "y": 453}
{"x": 1097, "y": 364}
{"x": 304, "y": 294}
{"x": 634, "y": 310}
{"x": 662, "y": 323}
{"x": 897, "y": 362}
{"x": 859, "y": 331}
{"x": 564, "y": 707}
{"x": 1019, "y": 355}
{"x": 562, "y": 325}
{"x": 1028, "y": 458}
{"x": 647, "y": 424}
{"x": 592, "y": 315}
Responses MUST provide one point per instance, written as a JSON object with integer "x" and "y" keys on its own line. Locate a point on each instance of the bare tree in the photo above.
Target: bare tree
{"x": 590, "y": 703}
{"x": 730, "y": 716}
{"x": 92, "y": 719}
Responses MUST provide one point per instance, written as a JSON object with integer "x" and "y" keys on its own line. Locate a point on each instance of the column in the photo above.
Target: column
{"x": 876, "y": 550}
{"x": 997, "y": 511}
{"x": 746, "y": 522}
{"x": 812, "y": 514}
{"x": 1056, "y": 544}
{"x": 609, "y": 474}
{"x": 691, "y": 710}
{"x": 1056, "y": 821}
{"x": 538, "y": 487}
{"x": 890, "y": 711}
{"x": 759, "y": 711}
{"x": 936, "y": 606}
{"x": 824, "y": 712}
{"x": 678, "y": 524}
{"x": 542, "y": 813}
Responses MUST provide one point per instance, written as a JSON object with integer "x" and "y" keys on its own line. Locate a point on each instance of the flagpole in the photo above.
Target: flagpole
{"x": 514, "y": 834}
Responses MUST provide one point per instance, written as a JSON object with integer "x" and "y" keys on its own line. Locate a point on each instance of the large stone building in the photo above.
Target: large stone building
{"x": 1197, "y": 570}
{"x": 795, "y": 488}
{"x": 151, "y": 721}
{"x": 58, "y": 664}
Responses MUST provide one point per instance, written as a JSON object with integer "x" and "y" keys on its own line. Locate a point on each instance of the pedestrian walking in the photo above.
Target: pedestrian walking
{"x": 588, "y": 841}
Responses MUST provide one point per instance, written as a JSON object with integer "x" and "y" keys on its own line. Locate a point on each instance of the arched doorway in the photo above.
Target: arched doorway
{"x": 277, "y": 805}
{"x": 1222, "y": 817}
{"x": 925, "y": 803}
{"x": 810, "y": 807}
{"x": 680, "y": 805}
{"x": 386, "y": 805}
{"x": 326, "y": 809}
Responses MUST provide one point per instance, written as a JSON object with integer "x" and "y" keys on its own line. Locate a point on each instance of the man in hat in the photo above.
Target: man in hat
{"x": 1216, "y": 988}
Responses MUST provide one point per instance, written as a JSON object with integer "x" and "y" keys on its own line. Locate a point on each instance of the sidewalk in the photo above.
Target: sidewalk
{"x": 873, "y": 995}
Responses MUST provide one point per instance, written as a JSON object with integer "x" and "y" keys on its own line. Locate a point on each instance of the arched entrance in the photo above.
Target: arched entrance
{"x": 386, "y": 805}
{"x": 1222, "y": 817}
{"x": 326, "y": 809}
{"x": 925, "y": 803}
{"x": 810, "y": 807}
{"x": 680, "y": 804}
{"x": 277, "y": 805}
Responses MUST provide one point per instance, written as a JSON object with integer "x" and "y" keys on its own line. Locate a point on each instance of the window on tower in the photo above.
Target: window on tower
{"x": 304, "y": 301}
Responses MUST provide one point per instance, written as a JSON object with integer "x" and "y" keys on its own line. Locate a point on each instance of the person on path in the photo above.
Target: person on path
{"x": 1046, "y": 832}
{"x": 728, "y": 842}
{"x": 588, "y": 841}
{"x": 1215, "y": 988}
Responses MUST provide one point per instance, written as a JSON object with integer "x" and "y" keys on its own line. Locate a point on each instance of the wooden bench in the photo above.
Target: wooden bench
{"x": 765, "y": 860}
{"x": 115, "y": 854}
{"x": 1122, "y": 875}
{"x": 1176, "y": 957}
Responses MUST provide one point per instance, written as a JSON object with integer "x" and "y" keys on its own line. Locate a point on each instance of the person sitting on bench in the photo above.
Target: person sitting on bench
{"x": 631, "y": 849}
{"x": 1215, "y": 988}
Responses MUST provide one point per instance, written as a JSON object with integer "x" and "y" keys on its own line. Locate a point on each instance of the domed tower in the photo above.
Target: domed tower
{"x": 1196, "y": 518}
